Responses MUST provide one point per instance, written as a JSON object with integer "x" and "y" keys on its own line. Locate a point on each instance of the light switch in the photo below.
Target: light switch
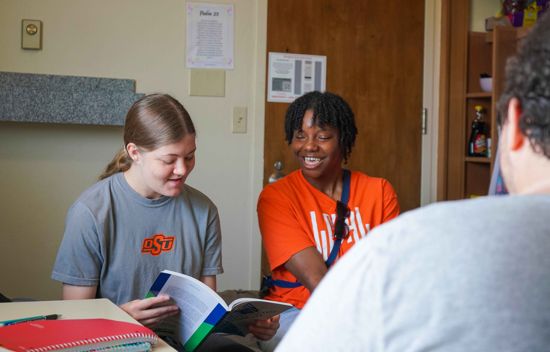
{"x": 31, "y": 34}
{"x": 239, "y": 119}
{"x": 207, "y": 83}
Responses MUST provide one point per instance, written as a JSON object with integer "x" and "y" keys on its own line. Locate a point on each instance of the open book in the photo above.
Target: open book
{"x": 203, "y": 311}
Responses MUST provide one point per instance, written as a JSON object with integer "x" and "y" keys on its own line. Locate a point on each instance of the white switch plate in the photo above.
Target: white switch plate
{"x": 239, "y": 119}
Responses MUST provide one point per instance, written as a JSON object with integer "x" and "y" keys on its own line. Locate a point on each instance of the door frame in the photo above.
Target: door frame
{"x": 258, "y": 81}
{"x": 431, "y": 101}
{"x": 454, "y": 25}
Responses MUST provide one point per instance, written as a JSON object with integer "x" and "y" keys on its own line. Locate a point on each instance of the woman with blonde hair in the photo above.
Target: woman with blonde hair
{"x": 141, "y": 218}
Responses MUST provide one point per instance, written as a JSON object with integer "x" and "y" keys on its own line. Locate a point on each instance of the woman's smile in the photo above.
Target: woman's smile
{"x": 311, "y": 162}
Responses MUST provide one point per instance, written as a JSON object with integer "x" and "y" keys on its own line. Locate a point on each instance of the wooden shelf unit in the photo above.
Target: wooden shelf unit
{"x": 486, "y": 52}
{"x": 479, "y": 61}
{"x": 479, "y": 95}
{"x": 477, "y": 159}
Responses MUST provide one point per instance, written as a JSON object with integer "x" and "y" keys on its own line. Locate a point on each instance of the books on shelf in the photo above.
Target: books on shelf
{"x": 77, "y": 335}
{"x": 203, "y": 311}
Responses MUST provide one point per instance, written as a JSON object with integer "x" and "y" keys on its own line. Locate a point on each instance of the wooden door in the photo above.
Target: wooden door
{"x": 374, "y": 54}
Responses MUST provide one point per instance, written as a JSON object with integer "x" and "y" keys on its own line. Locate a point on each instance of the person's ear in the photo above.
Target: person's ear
{"x": 515, "y": 137}
{"x": 133, "y": 151}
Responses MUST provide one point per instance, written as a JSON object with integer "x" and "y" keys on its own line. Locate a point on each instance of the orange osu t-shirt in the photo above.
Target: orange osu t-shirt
{"x": 294, "y": 215}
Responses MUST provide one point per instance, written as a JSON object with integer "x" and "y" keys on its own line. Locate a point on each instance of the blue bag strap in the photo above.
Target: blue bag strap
{"x": 345, "y": 187}
{"x": 343, "y": 199}
{"x": 333, "y": 252}
{"x": 268, "y": 280}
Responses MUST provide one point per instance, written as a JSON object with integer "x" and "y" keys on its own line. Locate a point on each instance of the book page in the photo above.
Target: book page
{"x": 244, "y": 311}
{"x": 200, "y": 307}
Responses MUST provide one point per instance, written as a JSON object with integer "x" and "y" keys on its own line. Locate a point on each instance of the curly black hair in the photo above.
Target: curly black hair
{"x": 528, "y": 80}
{"x": 328, "y": 109}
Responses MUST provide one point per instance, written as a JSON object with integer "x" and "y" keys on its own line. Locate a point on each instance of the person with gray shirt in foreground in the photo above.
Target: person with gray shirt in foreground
{"x": 470, "y": 275}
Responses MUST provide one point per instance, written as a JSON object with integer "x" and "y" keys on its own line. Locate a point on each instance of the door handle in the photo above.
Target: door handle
{"x": 277, "y": 174}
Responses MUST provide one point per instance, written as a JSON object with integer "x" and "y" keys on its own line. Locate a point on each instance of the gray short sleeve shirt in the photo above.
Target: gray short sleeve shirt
{"x": 118, "y": 240}
{"x": 454, "y": 276}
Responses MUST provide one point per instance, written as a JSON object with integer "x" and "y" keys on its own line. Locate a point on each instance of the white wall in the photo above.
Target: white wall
{"x": 43, "y": 168}
{"x": 480, "y": 10}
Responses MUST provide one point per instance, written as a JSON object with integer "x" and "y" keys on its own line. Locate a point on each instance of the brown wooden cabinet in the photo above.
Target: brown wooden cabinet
{"x": 486, "y": 52}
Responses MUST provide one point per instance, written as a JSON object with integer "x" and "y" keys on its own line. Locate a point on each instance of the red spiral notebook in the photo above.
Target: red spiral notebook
{"x": 76, "y": 335}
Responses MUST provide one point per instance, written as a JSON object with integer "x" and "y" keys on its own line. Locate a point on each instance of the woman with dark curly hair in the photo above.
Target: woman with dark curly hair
{"x": 313, "y": 216}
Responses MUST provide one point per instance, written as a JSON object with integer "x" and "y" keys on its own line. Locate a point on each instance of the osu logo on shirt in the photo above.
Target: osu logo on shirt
{"x": 157, "y": 244}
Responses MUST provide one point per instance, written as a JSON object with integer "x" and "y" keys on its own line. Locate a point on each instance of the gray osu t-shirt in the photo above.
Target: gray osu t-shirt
{"x": 119, "y": 241}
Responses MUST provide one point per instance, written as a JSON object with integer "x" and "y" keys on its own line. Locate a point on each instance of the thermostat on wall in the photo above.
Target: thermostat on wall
{"x": 31, "y": 34}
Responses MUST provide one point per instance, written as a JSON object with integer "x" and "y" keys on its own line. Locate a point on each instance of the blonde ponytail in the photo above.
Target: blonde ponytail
{"x": 120, "y": 163}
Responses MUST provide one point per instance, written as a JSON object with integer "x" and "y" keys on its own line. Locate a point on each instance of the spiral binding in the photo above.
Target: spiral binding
{"x": 99, "y": 342}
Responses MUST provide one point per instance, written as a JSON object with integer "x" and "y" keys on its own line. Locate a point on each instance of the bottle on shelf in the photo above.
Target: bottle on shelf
{"x": 477, "y": 144}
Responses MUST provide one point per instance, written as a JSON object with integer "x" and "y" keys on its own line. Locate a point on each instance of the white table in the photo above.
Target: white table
{"x": 73, "y": 309}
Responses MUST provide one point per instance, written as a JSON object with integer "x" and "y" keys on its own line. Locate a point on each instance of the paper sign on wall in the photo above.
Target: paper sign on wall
{"x": 209, "y": 35}
{"x": 292, "y": 75}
